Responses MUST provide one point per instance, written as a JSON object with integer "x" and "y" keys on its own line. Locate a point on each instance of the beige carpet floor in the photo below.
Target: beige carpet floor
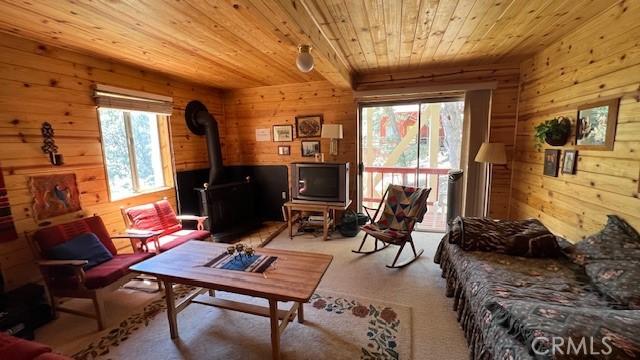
{"x": 337, "y": 326}
{"x": 435, "y": 333}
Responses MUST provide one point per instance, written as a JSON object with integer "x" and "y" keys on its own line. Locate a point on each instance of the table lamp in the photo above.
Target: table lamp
{"x": 490, "y": 153}
{"x": 333, "y": 132}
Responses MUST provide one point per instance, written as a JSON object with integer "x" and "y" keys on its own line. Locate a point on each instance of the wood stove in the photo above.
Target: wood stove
{"x": 229, "y": 203}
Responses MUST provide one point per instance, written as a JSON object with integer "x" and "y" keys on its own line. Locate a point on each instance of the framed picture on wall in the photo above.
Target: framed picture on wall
{"x": 569, "y": 162}
{"x": 310, "y": 148}
{"x": 282, "y": 133}
{"x": 309, "y": 126}
{"x": 596, "y": 125}
{"x": 551, "y": 158}
{"x": 54, "y": 195}
{"x": 284, "y": 150}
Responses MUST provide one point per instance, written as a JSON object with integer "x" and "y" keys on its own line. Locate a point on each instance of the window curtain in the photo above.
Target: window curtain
{"x": 477, "y": 109}
{"x": 125, "y": 99}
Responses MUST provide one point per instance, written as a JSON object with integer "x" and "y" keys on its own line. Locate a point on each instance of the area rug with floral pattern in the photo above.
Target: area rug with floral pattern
{"x": 336, "y": 326}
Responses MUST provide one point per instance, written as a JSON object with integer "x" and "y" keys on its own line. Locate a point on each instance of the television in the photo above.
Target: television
{"x": 320, "y": 182}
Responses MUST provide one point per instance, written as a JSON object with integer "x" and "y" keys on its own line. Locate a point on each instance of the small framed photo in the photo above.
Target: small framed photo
{"x": 282, "y": 133}
{"x": 309, "y": 126}
{"x": 569, "y": 162}
{"x": 596, "y": 125}
{"x": 310, "y": 148}
{"x": 284, "y": 150}
{"x": 551, "y": 157}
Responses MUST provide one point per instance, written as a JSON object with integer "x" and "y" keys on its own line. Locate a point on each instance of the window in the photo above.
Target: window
{"x": 412, "y": 143}
{"x": 133, "y": 155}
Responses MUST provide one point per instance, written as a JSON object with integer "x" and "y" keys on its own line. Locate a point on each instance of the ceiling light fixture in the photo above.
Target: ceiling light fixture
{"x": 304, "y": 61}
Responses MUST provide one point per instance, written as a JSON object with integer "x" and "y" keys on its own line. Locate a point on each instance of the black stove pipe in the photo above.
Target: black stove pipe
{"x": 213, "y": 145}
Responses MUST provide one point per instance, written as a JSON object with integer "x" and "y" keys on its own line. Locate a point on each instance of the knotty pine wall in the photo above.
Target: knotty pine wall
{"x": 40, "y": 83}
{"x": 503, "y": 109}
{"x": 599, "y": 60}
{"x": 249, "y": 109}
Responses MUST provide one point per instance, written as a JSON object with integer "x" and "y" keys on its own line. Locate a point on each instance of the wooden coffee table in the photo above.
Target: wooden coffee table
{"x": 293, "y": 277}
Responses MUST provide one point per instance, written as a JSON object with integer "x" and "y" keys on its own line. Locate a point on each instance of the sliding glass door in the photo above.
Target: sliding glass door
{"x": 412, "y": 144}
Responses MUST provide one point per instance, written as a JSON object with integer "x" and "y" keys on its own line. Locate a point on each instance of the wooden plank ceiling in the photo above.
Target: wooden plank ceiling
{"x": 383, "y": 35}
{"x": 248, "y": 43}
{"x": 223, "y": 44}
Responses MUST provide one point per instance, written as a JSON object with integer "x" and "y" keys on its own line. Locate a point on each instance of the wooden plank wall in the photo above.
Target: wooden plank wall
{"x": 40, "y": 83}
{"x": 599, "y": 60}
{"x": 503, "y": 109}
{"x": 249, "y": 109}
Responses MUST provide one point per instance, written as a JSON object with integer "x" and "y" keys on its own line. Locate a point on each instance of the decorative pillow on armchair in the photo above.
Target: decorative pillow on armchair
{"x": 85, "y": 246}
{"x": 618, "y": 280}
{"x": 617, "y": 241}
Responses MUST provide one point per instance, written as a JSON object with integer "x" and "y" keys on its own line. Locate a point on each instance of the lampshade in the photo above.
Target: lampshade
{"x": 331, "y": 131}
{"x": 493, "y": 153}
{"x": 304, "y": 61}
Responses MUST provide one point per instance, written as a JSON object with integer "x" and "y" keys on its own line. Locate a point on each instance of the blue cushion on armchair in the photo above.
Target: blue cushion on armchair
{"x": 85, "y": 246}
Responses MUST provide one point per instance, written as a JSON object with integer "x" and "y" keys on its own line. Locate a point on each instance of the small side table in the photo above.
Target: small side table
{"x": 142, "y": 237}
{"x": 328, "y": 211}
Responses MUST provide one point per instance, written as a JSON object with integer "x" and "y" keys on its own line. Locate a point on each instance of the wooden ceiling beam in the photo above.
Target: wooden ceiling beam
{"x": 295, "y": 22}
{"x": 334, "y": 67}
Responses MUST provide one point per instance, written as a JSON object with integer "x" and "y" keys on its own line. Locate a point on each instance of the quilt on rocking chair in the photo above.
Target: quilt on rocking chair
{"x": 400, "y": 211}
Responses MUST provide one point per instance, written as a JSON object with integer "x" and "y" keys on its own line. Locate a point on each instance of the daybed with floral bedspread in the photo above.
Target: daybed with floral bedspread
{"x": 515, "y": 290}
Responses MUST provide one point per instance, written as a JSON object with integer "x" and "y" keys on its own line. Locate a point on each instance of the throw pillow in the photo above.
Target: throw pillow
{"x": 85, "y": 246}
{"x": 528, "y": 238}
{"x": 617, "y": 241}
{"x": 618, "y": 280}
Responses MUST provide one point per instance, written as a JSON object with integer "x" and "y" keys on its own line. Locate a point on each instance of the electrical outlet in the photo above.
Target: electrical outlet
{"x": 284, "y": 195}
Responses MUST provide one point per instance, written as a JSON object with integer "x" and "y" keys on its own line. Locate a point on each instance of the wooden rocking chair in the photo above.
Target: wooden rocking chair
{"x": 403, "y": 208}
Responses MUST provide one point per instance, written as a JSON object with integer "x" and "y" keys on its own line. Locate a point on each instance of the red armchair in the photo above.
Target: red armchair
{"x": 67, "y": 278}
{"x": 159, "y": 216}
{"x": 13, "y": 348}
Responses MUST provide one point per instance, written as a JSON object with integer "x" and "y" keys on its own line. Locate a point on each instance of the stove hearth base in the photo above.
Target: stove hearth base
{"x": 235, "y": 234}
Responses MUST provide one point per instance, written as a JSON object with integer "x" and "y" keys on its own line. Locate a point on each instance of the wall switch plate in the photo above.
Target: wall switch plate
{"x": 284, "y": 195}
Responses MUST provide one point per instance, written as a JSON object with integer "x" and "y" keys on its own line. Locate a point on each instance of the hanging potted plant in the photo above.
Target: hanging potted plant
{"x": 554, "y": 132}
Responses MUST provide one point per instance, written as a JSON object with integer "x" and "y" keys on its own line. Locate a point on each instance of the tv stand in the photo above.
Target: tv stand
{"x": 327, "y": 209}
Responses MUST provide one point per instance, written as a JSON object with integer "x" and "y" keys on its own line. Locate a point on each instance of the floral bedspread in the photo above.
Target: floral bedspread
{"x": 558, "y": 331}
{"x": 477, "y": 279}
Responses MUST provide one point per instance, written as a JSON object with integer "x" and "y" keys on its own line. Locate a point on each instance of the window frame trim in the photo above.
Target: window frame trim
{"x": 137, "y": 191}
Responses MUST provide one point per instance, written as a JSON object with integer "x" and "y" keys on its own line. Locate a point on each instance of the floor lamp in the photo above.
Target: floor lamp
{"x": 490, "y": 154}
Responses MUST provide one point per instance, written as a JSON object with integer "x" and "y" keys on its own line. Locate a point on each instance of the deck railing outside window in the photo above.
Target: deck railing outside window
{"x": 376, "y": 179}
